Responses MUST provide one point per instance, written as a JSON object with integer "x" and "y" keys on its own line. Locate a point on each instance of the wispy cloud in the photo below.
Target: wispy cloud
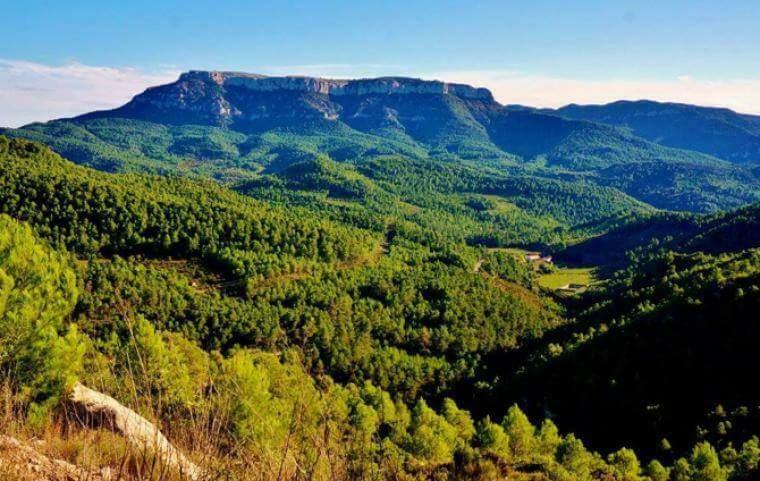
{"x": 32, "y": 91}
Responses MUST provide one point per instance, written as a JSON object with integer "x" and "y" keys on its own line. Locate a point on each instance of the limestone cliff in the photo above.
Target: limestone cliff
{"x": 254, "y": 101}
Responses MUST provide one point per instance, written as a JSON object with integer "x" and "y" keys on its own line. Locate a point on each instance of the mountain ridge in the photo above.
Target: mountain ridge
{"x": 235, "y": 126}
{"x": 716, "y": 131}
{"x": 336, "y": 86}
{"x": 193, "y": 87}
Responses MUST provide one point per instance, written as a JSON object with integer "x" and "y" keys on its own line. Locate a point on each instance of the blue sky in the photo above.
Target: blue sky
{"x": 542, "y": 52}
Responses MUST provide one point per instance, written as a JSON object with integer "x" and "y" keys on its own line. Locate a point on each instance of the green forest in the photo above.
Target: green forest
{"x": 363, "y": 321}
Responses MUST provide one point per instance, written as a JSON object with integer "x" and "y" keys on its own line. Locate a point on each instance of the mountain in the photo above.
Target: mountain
{"x": 438, "y": 114}
{"x": 719, "y": 132}
{"x": 663, "y": 177}
{"x": 238, "y": 127}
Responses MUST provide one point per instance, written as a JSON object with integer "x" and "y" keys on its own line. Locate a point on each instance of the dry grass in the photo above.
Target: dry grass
{"x": 92, "y": 452}
{"x": 201, "y": 431}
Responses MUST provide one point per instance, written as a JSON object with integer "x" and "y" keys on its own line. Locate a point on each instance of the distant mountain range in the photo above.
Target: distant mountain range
{"x": 236, "y": 126}
{"x": 719, "y": 132}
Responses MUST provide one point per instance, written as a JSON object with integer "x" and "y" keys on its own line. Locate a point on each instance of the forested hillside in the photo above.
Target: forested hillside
{"x": 723, "y": 232}
{"x": 659, "y": 356}
{"x": 335, "y": 334}
{"x": 430, "y": 200}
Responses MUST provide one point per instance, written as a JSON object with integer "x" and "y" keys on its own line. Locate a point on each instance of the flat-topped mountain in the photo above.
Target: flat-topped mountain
{"x": 233, "y": 125}
{"x": 382, "y": 85}
{"x": 251, "y": 101}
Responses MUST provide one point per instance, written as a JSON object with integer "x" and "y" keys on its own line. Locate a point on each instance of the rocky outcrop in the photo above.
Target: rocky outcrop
{"x": 423, "y": 110}
{"x": 24, "y": 461}
{"x": 334, "y": 87}
{"x": 222, "y": 98}
{"x": 142, "y": 435}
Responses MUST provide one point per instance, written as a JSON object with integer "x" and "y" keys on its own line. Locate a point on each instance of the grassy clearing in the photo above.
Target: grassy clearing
{"x": 407, "y": 208}
{"x": 562, "y": 277}
{"x": 500, "y": 205}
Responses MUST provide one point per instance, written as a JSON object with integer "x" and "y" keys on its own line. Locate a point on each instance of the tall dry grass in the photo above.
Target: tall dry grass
{"x": 202, "y": 434}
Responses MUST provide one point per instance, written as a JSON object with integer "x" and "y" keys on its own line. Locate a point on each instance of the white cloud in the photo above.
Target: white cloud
{"x": 32, "y": 91}
{"x": 37, "y": 92}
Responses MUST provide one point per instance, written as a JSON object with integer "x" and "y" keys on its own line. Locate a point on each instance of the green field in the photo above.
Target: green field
{"x": 563, "y": 277}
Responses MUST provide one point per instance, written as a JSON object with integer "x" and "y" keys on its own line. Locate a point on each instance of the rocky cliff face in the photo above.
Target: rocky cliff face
{"x": 252, "y": 102}
{"x": 335, "y": 87}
